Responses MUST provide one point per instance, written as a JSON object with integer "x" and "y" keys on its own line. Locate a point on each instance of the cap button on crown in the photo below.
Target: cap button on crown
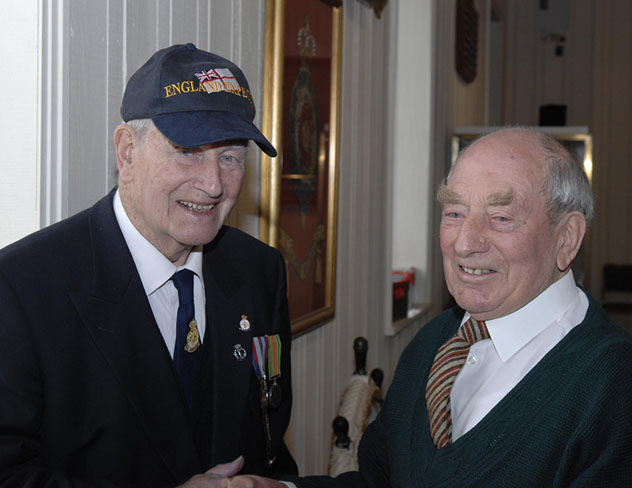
{"x": 191, "y": 47}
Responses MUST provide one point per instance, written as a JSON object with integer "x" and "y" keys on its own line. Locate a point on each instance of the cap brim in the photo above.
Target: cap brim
{"x": 193, "y": 129}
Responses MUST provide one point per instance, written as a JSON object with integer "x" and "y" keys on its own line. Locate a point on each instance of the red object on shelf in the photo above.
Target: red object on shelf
{"x": 402, "y": 280}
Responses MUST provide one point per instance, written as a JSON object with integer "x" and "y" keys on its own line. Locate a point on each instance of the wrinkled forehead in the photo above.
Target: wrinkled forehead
{"x": 511, "y": 156}
{"x": 497, "y": 172}
{"x": 522, "y": 144}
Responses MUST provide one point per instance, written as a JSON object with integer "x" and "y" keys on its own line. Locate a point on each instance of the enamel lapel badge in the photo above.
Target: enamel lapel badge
{"x": 244, "y": 324}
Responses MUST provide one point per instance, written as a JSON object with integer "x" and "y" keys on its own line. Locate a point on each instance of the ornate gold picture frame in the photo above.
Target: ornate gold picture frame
{"x": 301, "y": 112}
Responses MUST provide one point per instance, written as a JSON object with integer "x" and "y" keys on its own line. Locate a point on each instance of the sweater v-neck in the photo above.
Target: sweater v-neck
{"x": 496, "y": 432}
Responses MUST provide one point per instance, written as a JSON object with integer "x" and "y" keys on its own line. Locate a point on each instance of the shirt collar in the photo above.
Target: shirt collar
{"x": 512, "y": 332}
{"x": 153, "y": 267}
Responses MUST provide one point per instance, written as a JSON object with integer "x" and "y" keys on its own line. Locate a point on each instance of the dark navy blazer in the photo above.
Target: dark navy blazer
{"x": 88, "y": 392}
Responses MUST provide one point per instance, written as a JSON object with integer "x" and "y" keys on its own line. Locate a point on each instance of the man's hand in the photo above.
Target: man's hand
{"x": 249, "y": 481}
{"x": 228, "y": 469}
{"x": 221, "y": 476}
{"x": 216, "y": 477}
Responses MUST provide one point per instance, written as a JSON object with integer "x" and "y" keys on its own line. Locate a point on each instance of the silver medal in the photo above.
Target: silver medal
{"x": 239, "y": 352}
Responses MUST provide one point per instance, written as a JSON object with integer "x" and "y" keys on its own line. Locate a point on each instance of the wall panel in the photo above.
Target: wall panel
{"x": 88, "y": 104}
{"x": 612, "y": 147}
{"x": 535, "y": 74}
{"x": 19, "y": 166}
{"x": 116, "y": 79}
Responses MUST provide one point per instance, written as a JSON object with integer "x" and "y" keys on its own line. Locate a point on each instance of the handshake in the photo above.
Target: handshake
{"x": 223, "y": 476}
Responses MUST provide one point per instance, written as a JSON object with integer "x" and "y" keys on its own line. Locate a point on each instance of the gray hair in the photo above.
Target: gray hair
{"x": 140, "y": 126}
{"x": 566, "y": 185}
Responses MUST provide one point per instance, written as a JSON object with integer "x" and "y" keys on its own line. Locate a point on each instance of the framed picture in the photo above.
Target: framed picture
{"x": 299, "y": 190}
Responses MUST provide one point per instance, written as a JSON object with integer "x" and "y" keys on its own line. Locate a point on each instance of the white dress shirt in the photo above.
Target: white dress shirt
{"x": 517, "y": 343}
{"x": 155, "y": 272}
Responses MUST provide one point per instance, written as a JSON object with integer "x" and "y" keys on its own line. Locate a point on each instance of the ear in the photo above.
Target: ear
{"x": 124, "y": 142}
{"x": 571, "y": 228}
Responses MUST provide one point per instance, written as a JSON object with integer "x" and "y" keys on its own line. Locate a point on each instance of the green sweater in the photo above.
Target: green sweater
{"x": 567, "y": 423}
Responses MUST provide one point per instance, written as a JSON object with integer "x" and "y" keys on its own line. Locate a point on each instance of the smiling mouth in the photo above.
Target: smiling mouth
{"x": 476, "y": 271}
{"x": 195, "y": 207}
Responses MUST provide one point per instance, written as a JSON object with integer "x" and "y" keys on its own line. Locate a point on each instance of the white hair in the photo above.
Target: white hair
{"x": 140, "y": 126}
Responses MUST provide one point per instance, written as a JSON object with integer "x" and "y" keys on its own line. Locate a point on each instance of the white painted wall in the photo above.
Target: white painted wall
{"x": 19, "y": 123}
{"x": 410, "y": 92}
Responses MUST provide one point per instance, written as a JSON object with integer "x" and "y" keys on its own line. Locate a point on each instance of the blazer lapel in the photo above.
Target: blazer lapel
{"x": 118, "y": 316}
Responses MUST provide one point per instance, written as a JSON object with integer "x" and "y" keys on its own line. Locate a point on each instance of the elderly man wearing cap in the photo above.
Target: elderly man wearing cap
{"x": 128, "y": 330}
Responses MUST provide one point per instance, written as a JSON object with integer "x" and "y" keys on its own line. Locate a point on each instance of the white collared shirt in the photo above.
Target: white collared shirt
{"x": 155, "y": 272}
{"x": 517, "y": 343}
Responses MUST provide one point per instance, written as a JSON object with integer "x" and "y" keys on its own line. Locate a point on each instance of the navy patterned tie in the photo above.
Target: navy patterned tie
{"x": 447, "y": 364}
{"x": 187, "y": 353}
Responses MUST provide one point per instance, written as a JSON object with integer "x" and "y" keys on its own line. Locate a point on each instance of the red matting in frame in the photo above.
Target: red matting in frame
{"x": 305, "y": 182}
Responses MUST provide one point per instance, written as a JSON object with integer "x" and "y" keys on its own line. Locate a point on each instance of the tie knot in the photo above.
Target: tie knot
{"x": 183, "y": 281}
{"x": 474, "y": 331}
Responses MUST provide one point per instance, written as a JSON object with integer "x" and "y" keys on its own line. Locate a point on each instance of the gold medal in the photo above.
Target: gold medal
{"x": 193, "y": 337}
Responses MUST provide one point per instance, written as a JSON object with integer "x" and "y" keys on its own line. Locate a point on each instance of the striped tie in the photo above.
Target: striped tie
{"x": 447, "y": 364}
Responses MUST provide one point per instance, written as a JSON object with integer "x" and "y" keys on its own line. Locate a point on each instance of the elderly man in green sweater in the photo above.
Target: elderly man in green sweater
{"x": 528, "y": 383}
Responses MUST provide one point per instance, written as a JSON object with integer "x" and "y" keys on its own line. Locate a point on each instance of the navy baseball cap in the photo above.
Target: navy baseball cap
{"x": 194, "y": 98}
